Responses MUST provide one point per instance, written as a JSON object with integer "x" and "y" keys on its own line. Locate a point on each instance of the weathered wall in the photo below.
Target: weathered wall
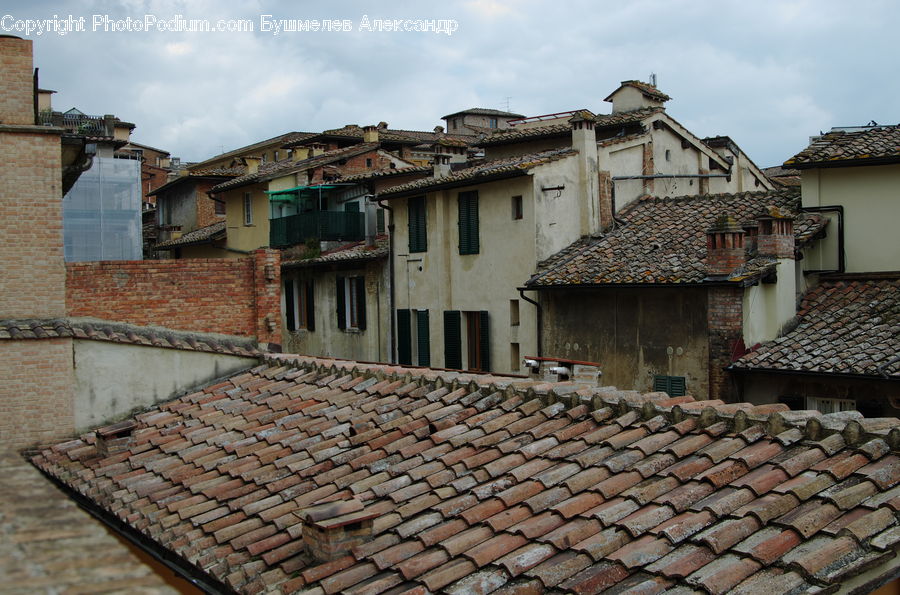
{"x": 17, "y": 99}
{"x": 227, "y": 296}
{"x": 246, "y": 237}
{"x": 36, "y": 392}
{"x": 725, "y": 320}
{"x": 629, "y": 333}
{"x": 112, "y": 379}
{"x": 371, "y": 344}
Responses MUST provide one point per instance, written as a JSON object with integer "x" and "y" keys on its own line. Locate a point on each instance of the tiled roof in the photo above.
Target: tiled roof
{"x": 386, "y": 173}
{"x": 48, "y": 544}
{"x": 249, "y": 149}
{"x": 646, "y": 89}
{"x": 483, "y": 111}
{"x": 628, "y": 117}
{"x": 203, "y": 235}
{"x": 476, "y": 484}
{"x": 515, "y": 135}
{"x": 882, "y": 143}
{"x": 353, "y": 131}
{"x": 518, "y": 164}
{"x": 204, "y": 174}
{"x": 355, "y": 252}
{"x": 845, "y": 327}
{"x": 663, "y": 240}
{"x": 285, "y": 166}
{"x": 119, "y": 332}
{"x": 783, "y": 176}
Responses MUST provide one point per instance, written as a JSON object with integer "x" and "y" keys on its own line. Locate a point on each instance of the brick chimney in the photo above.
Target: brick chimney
{"x": 333, "y": 529}
{"x": 776, "y": 234}
{"x": 115, "y": 438}
{"x": 724, "y": 247}
{"x": 370, "y": 134}
{"x": 17, "y": 81}
{"x": 751, "y": 232}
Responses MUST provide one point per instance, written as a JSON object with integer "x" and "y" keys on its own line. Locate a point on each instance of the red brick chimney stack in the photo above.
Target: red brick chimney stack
{"x": 724, "y": 247}
{"x": 776, "y": 234}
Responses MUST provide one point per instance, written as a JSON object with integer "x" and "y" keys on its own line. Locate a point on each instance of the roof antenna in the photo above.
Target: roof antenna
{"x": 507, "y": 102}
{"x": 652, "y": 79}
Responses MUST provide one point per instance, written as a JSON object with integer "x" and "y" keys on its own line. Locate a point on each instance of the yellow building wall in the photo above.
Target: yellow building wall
{"x": 871, "y": 210}
{"x": 246, "y": 237}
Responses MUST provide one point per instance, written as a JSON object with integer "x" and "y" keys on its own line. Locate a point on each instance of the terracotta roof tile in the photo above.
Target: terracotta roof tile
{"x": 842, "y": 147}
{"x": 566, "y": 500}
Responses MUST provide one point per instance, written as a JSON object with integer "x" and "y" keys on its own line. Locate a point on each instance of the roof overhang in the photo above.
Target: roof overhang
{"x": 843, "y": 163}
{"x": 456, "y": 184}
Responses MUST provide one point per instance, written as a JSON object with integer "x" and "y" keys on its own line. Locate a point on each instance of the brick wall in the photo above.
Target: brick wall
{"x": 229, "y": 296}
{"x": 649, "y": 168}
{"x": 206, "y": 207}
{"x": 36, "y": 392}
{"x": 725, "y": 314}
{"x": 605, "y": 199}
{"x": 17, "y": 82}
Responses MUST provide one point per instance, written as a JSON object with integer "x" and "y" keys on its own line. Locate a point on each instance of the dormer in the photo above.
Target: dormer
{"x": 632, "y": 95}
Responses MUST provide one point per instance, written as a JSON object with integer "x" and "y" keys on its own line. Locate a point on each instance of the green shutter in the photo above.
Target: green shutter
{"x": 468, "y": 223}
{"x": 379, "y": 221}
{"x": 361, "y": 303}
{"x": 423, "y": 339}
{"x": 310, "y": 306}
{"x": 404, "y": 338}
{"x": 418, "y": 233}
{"x": 452, "y": 340}
{"x": 485, "y": 343}
{"x": 290, "y": 319}
{"x": 341, "y": 306}
{"x": 675, "y": 386}
{"x": 351, "y": 207}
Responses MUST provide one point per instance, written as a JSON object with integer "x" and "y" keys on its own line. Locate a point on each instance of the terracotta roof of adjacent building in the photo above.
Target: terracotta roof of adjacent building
{"x": 837, "y": 148}
{"x": 203, "y": 235}
{"x": 481, "y": 483}
{"x": 248, "y": 149}
{"x": 645, "y": 88}
{"x": 845, "y": 327}
{"x": 483, "y": 111}
{"x": 410, "y": 137}
{"x": 355, "y": 252}
{"x": 120, "y": 332}
{"x": 514, "y": 135}
{"x": 783, "y": 176}
{"x": 386, "y": 173}
{"x": 663, "y": 240}
{"x": 483, "y": 171}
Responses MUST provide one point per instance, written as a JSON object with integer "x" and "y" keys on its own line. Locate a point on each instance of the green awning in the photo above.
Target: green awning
{"x": 297, "y": 189}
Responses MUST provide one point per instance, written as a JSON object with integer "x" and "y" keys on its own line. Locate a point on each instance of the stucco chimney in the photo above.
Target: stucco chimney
{"x": 370, "y": 134}
{"x": 584, "y": 140}
{"x": 252, "y": 164}
{"x": 441, "y": 162}
{"x": 724, "y": 247}
{"x": 299, "y": 153}
{"x": 776, "y": 234}
{"x": 316, "y": 149}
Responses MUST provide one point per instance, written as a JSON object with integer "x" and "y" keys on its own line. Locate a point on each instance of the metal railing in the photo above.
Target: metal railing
{"x": 317, "y": 225}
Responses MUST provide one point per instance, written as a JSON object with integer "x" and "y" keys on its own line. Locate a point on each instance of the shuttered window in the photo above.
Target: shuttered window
{"x": 468, "y": 223}
{"x": 404, "y": 337}
{"x": 423, "y": 339}
{"x": 299, "y": 310}
{"x": 418, "y": 233}
{"x": 674, "y": 385}
{"x": 452, "y": 340}
{"x": 351, "y": 302}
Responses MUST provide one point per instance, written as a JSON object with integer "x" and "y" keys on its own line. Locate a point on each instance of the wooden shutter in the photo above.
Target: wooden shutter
{"x": 341, "y": 306}
{"x": 310, "y": 306}
{"x": 379, "y": 221}
{"x": 675, "y": 386}
{"x": 485, "y": 340}
{"x": 404, "y": 338}
{"x": 360, "y": 303}
{"x": 418, "y": 233}
{"x": 452, "y": 340}
{"x": 290, "y": 320}
{"x": 423, "y": 339}
{"x": 468, "y": 223}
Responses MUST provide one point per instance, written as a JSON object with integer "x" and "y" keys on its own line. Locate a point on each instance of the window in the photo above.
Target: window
{"x": 475, "y": 342}
{"x": 516, "y": 207}
{"x": 453, "y": 123}
{"x": 418, "y": 232}
{"x": 404, "y": 337}
{"x": 368, "y": 162}
{"x": 492, "y": 122}
{"x": 379, "y": 221}
{"x": 668, "y": 155}
{"x": 248, "y": 209}
{"x": 674, "y": 385}
{"x": 468, "y": 223}
{"x": 351, "y": 303}
{"x": 513, "y": 312}
{"x": 830, "y": 405}
{"x": 219, "y": 206}
{"x": 299, "y": 308}
{"x": 514, "y": 360}
{"x": 423, "y": 341}
{"x": 414, "y": 340}
{"x": 274, "y": 155}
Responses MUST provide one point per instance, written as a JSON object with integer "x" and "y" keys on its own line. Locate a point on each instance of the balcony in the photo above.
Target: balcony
{"x": 316, "y": 225}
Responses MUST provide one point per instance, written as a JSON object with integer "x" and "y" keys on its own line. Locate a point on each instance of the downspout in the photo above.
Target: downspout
{"x": 540, "y": 317}
{"x": 612, "y": 203}
{"x": 391, "y": 298}
{"x": 839, "y": 209}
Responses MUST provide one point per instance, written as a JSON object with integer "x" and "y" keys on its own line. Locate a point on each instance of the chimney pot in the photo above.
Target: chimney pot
{"x": 725, "y": 250}
{"x": 333, "y": 529}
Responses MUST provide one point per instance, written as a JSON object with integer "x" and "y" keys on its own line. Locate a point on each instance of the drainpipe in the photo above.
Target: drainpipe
{"x": 391, "y": 299}
{"x": 540, "y": 317}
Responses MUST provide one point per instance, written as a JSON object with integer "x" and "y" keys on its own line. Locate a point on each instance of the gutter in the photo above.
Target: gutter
{"x": 848, "y": 375}
{"x": 184, "y": 569}
{"x": 540, "y": 316}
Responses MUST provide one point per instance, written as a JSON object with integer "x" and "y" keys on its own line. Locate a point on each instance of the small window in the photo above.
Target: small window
{"x": 219, "y": 206}
{"x": 492, "y": 123}
{"x": 274, "y": 155}
{"x": 830, "y": 405}
{"x": 516, "y": 207}
{"x": 468, "y": 223}
{"x": 514, "y": 360}
{"x": 368, "y": 162}
{"x": 453, "y": 123}
{"x": 418, "y": 232}
{"x": 513, "y": 312}
{"x": 668, "y": 155}
{"x": 674, "y": 385}
{"x": 248, "y": 209}
{"x": 299, "y": 309}
{"x": 351, "y": 303}
{"x": 379, "y": 221}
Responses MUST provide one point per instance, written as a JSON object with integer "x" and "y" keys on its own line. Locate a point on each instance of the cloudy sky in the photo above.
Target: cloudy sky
{"x": 768, "y": 74}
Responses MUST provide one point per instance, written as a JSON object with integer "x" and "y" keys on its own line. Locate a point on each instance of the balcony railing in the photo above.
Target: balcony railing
{"x": 317, "y": 225}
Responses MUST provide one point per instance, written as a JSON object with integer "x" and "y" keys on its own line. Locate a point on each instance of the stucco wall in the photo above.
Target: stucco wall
{"x": 768, "y": 307}
{"x": 629, "y": 333}
{"x": 871, "y": 210}
{"x": 112, "y": 379}
{"x": 371, "y": 344}
{"x": 246, "y": 237}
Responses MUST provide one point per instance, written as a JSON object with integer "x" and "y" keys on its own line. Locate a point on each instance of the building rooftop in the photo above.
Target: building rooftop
{"x": 478, "y": 483}
{"x": 203, "y": 235}
{"x": 355, "y": 252}
{"x": 645, "y": 88}
{"x": 663, "y": 240}
{"x": 480, "y": 172}
{"x": 877, "y": 144}
{"x": 483, "y": 111}
{"x": 849, "y": 327}
{"x": 278, "y": 141}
